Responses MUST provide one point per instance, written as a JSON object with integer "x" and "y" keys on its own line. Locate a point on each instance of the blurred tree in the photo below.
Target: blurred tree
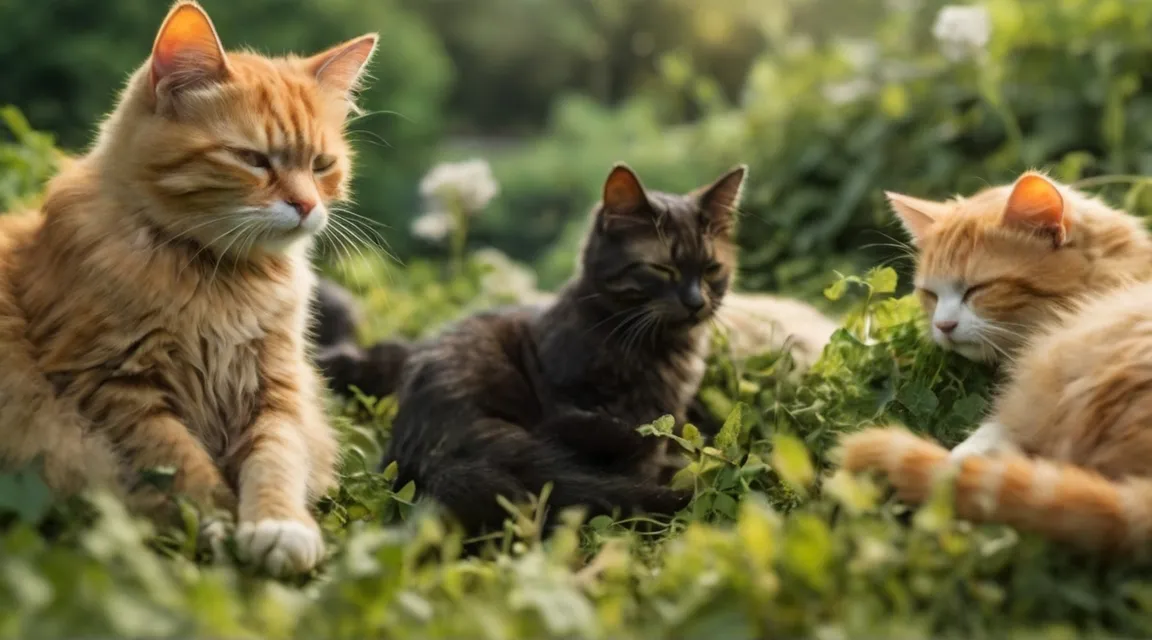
{"x": 66, "y": 60}
{"x": 516, "y": 57}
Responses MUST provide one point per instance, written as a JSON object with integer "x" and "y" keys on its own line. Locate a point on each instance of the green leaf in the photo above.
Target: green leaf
{"x": 969, "y": 409}
{"x": 600, "y": 523}
{"x": 24, "y": 494}
{"x": 757, "y": 528}
{"x": 734, "y": 426}
{"x": 919, "y": 399}
{"x": 692, "y": 436}
{"x": 883, "y": 280}
{"x": 391, "y": 471}
{"x": 808, "y": 550}
{"x": 791, "y": 461}
{"x": 856, "y": 494}
{"x": 407, "y": 492}
{"x": 664, "y": 424}
{"x": 726, "y": 505}
{"x": 836, "y": 290}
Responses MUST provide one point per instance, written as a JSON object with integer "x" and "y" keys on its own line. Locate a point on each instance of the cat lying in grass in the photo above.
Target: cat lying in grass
{"x": 1042, "y": 274}
{"x": 508, "y": 400}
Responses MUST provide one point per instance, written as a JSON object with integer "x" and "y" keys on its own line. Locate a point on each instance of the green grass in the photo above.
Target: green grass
{"x": 774, "y": 544}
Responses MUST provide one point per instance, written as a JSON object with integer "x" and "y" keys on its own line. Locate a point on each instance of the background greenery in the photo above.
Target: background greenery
{"x": 830, "y": 102}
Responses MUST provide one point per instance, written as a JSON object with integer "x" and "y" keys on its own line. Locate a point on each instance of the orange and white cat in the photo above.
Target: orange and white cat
{"x": 1067, "y": 450}
{"x": 994, "y": 266}
{"x": 154, "y": 311}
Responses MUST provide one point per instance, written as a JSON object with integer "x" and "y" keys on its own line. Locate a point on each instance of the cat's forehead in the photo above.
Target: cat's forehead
{"x": 974, "y": 248}
{"x": 273, "y": 104}
{"x": 679, "y": 234}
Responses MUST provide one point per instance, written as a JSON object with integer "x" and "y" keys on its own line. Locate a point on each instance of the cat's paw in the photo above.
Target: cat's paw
{"x": 212, "y": 537}
{"x": 988, "y": 439}
{"x": 282, "y": 547}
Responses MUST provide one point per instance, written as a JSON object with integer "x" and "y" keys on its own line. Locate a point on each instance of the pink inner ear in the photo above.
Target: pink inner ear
{"x": 623, "y": 192}
{"x": 340, "y": 67}
{"x": 1036, "y": 204}
{"x": 187, "y": 46}
{"x": 916, "y": 214}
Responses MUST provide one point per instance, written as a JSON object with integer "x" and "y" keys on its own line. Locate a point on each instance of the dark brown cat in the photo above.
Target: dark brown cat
{"x": 506, "y": 401}
{"x": 374, "y": 370}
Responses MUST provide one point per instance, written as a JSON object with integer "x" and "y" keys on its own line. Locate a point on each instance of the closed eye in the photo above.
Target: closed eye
{"x": 663, "y": 271}
{"x": 712, "y": 269}
{"x": 928, "y": 292}
{"x": 976, "y": 288}
{"x": 323, "y": 163}
{"x": 253, "y": 158}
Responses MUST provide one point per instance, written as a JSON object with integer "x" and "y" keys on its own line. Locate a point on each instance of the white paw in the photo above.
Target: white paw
{"x": 213, "y": 534}
{"x": 988, "y": 439}
{"x": 282, "y": 547}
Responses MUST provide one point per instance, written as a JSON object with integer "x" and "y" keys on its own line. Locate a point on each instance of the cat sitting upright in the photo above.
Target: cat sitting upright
{"x": 153, "y": 312}
{"x": 506, "y": 401}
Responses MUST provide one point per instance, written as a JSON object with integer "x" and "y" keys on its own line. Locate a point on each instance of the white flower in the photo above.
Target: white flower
{"x": 433, "y": 226}
{"x": 861, "y": 54}
{"x": 469, "y": 184}
{"x": 962, "y": 30}
{"x": 504, "y": 277}
{"x": 847, "y": 92}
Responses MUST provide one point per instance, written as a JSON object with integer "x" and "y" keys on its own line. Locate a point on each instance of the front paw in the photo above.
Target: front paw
{"x": 989, "y": 439}
{"x": 281, "y": 547}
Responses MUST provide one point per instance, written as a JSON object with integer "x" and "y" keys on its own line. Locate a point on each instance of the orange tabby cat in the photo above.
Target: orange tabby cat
{"x": 154, "y": 312}
{"x": 1068, "y": 449}
{"x": 993, "y": 266}
{"x": 1080, "y": 391}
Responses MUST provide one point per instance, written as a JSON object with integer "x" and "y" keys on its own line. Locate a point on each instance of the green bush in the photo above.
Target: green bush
{"x": 27, "y": 159}
{"x": 826, "y": 127}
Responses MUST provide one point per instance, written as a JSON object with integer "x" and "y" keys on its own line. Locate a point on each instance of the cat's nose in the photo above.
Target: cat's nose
{"x": 947, "y": 326}
{"x": 302, "y": 206}
{"x": 693, "y": 301}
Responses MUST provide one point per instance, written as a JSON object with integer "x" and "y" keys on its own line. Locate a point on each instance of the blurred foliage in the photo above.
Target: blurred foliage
{"x": 606, "y": 49}
{"x": 827, "y": 124}
{"x": 27, "y": 159}
{"x": 66, "y": 60}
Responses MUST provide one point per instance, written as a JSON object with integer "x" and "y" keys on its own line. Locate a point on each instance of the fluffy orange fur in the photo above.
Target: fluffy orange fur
{"x": 154, "y": 311}
{"x": 1070, "y": 456}
{"x": 993, "y": 267}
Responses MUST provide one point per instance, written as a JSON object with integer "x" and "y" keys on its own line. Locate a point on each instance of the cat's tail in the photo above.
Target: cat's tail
{"x": 375, "y": 370}
{"x": 1055, "y": 499}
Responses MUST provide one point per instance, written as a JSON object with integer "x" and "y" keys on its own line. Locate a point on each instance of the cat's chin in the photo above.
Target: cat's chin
{"x": 971, "y": 351}
{"x": 285, "y": 242}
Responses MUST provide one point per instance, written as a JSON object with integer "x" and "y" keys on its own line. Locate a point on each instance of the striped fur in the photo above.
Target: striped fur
{"x": 1078, "y": 409}
{"x": 154, "y": 311}
{"x": 1059, "y": 500}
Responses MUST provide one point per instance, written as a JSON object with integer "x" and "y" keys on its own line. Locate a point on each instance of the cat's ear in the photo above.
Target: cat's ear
{"x": 1036, "y": 205}
{"x": 719, "y": 200}
{"x": 187, "y": 53}
{"x": 341, "y": 68}
{"x": 624, "y": 198}
{"x": 915, "y": 214}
